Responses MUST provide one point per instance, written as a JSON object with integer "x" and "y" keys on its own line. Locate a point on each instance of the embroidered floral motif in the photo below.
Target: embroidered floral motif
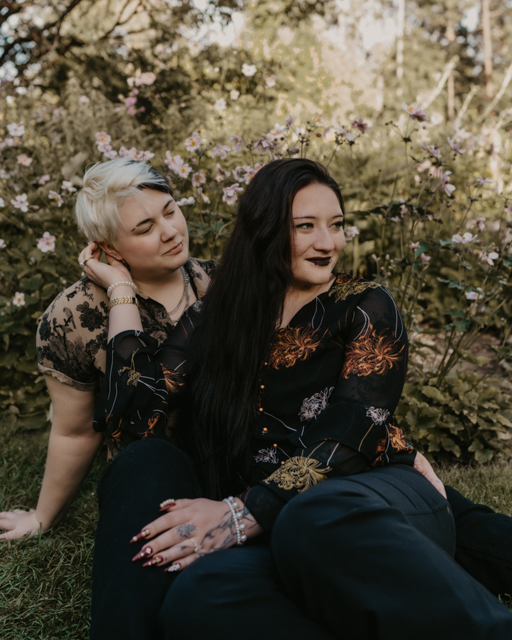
{"x": 266, "y": 455}
{"x": 299, "y": 473}
{"x": 312, "y": 407}
{"x": 346, "y": 286}
{"x": 133, "y": 374}
{"x": 379, "y": 416}
{"x": 293, "y": 344}
{"x": 172, "y": 382}
{"x": 372, "y": 353}
{"x": 396, "y": 441}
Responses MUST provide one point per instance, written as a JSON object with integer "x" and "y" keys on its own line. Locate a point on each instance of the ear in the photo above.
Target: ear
{"x": 110, "y": 250}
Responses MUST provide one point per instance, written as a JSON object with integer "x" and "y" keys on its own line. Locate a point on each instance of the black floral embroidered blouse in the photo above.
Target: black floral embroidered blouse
{"x": 327, "y": 393}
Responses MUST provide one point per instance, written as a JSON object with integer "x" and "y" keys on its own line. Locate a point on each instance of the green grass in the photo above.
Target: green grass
{"x": 45, "y": 582}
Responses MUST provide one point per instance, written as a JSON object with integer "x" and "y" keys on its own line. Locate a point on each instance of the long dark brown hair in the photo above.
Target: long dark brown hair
{"x": 242, "y": 308}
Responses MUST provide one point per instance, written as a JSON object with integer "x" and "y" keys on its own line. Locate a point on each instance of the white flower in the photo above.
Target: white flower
{"x": 262, "y": 146}
{"x": 24, "y": 160}
{"x": 19, "y": 299}
{"x": 415, "y": 113}
{"x": 2, "y": 203}
{"x": 193, "y": 143}
{"x": 483, "y": 181}
{"x": 474, "y": 295}
{"x": 414, "y": 245}
{"x": 198, "y": 179}
{"x": 146, "y": 79}
{"x": 454, "y": 146}
{"x": 68, "y": 186}
{"x": 351, "y": 233}
{"x": 46, "y": 243}
{"x": 132, "y": 153}
{"x": 173, "y": 162}
{"x": 234, "y": 94}
{"x": 349, "y": 136}
{"x": 5, "y": 176}
{"x": 108, "y": 152}
{"x": 489, "y": 257}
{"x": 44, "y": 179}
{"x": 220, "y": 105}
{"x": 221, "y": 150}
{"x": 205, "y": 198}
{"x": 230, "y": 194}
{"x": 21, "y": 202}
{"x": 480, "y": 223}
{"x": 467, "y": 237}
{"x": 249, "y": 69}
{"x": 2, "y": 244}
{"x": 53, "y": 195}
{"x": 16, "y": 129}
{"x": 268, "y": 456}
{"x": 433, "y": 149}
{"x": 237, "y": 143}
{"x": 83, "y": 100}
{"x": 184, "y": 170}
{"x": 185, "y": 202}
{"x": 378, "y": 415}
{"x": 103, "y": 138}
{"x": 277, "y": 132}
{"x": 426, "y": 164}
{"x": 425, "y": 258}
{"x": 270, "y": 82}
{"x": 445, "y": 183}
{"x": 221, "y": 173}
{"x": 312, "y": 407}
{"x": 147, "y": 155}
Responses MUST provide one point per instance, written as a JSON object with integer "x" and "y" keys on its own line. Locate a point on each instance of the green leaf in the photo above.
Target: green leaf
{"x": 435, "y": 394}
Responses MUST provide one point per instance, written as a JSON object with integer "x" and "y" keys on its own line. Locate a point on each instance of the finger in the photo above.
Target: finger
{"x": 165, "y": 556}
{"x": 166, "y": 521}
{"x": 182, "y": 564}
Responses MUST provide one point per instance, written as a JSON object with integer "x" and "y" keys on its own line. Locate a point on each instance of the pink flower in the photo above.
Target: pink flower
{"x": 351, "y": 233}
{"x": 132, "y": 153}
{"x": 425, "y": 258}
{"x": 415, "y": 113}
{"x": 173, "y": 162}
{"x": 68, "y": 186}
{"x": 83, "y": 100}
{"x": 361, "y": 125}
{"x": 414, "y": 245}
{"x": 348, "y": 136}
{"x": 130, "y": 101}
{"x": 205, "y": 198}
{"x": 21, "y": 202}
{"x": 480, "y": 223}
{"x": 403, "y": 210}
{"x": 103, "y": 138}
{"x": 483, "y": 181}
{"x": 19, "y": 299}
{"x": 198, "y": 179}
{"x": 184, "y": 170}
{"x": 46, "y": 243}
{"x": 262, "y": 146}
{"x": 16, "y": 130}
{"x": 277, "y": 132}
{"x": 221, "y": 173}
{"x": 289, "y": 121}
{"x": 237, "y": 143}
{"x": 53, "y": 195}
{"x": 455, "y": 146}
{"x": 221, "y": 150}
{"x": 445, "y": 184}
{"x": 146, "y": 79}
{"x": 426, "y": 164}
{"x": 319, "y": 120}
{"x": 193, "y": 143}
{"x": 433, "y": 149}
{"x": 108, "y": 152}
{"x": 24, "y": 160}
{"x": 270, "y": 82}
{"x": 44, "y": 179}
{"x": 489, "y": 257}
{"x": 474, "y": 295}
{"x": 467, "y": 237}
{"x": 230, "y": 194}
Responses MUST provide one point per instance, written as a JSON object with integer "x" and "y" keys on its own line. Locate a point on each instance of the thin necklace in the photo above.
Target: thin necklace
{"x": 186, "y": 294}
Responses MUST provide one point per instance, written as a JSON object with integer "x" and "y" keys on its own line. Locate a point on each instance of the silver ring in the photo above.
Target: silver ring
{"x": 197, "y": 547}
{"x": 81, "y": 264}
{"x": 82, "y": 274}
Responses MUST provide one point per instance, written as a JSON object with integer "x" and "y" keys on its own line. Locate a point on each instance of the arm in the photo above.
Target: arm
{"x": 72, "y": 447}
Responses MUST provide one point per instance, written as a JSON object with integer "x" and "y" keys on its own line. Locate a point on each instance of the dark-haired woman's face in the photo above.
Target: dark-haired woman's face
{"x": 317, "y": 236}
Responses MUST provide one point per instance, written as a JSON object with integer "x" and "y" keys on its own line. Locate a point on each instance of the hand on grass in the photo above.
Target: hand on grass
{"x": 422, "y": 465}
{"x": 189, "y": 530}
{"x": 19, "y": 524}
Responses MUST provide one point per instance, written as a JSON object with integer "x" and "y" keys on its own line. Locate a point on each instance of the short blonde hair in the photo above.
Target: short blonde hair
{"x": 105, "y": 186}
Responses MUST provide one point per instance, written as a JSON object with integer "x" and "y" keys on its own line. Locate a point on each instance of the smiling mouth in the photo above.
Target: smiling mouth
{"x": 320, "y": 262}
{"x": 176, "y": 249}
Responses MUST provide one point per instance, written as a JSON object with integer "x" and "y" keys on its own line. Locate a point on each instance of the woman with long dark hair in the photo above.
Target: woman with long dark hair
{"x": 292, "y": 376}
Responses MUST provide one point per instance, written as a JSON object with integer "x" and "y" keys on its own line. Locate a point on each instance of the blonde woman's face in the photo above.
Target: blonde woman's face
{"x": 153, "y": 237}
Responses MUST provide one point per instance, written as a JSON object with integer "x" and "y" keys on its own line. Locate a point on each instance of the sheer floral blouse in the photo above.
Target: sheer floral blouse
{"x": 327, "y": 393}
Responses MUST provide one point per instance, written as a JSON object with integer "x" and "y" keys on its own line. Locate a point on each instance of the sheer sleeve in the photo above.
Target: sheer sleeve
{"x": 356, "y": 429}
{"x": 144, "y": 381}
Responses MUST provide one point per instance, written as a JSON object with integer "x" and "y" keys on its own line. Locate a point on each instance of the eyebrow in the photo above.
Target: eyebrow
{"x": 151, "y": 219}
{"x": 338, "y": 215}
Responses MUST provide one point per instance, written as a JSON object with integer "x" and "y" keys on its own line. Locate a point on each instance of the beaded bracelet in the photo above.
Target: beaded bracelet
{"x": 117, "y": 284}
{"x": 237, "y": 516}
{"x": 122, "y": 300}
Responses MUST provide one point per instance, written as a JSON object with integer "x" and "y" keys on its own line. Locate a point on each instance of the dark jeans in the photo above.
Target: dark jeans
{"x": 363, "y": 557}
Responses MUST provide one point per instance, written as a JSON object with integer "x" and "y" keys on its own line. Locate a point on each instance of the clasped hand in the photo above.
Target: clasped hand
{"x": 188, "y": 530}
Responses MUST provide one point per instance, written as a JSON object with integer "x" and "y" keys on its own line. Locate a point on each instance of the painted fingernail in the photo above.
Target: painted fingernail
{"x": 170, "y": 502}
{"x": 147, "y": 551}
{"x": 174, "y": 567}
{"x": 153, "y": 561}
{"x": 140, "y": 536}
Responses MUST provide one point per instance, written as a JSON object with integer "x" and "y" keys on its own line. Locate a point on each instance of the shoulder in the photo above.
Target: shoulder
{"x": 201, "y": 272}
{"x": 345, "y": 287}
{"x": 371, "y": 298}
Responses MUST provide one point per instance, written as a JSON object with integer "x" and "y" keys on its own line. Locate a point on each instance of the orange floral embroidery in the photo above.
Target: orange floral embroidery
{"x": 396, "y": 441}
{"x": 372, "y": 353}
{"x": 346, "y": 286}
{"x": 115, "y": 433}
{"x": 152, "y": 424}
{"x": 172, "y": 382}
{"x": 293, "y": 344}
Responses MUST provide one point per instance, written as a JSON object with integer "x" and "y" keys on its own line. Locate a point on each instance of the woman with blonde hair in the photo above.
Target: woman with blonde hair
{"x": 126, "y": 210}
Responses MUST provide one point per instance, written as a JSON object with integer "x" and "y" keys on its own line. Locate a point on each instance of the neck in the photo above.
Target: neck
{"x": 154, "y": 287}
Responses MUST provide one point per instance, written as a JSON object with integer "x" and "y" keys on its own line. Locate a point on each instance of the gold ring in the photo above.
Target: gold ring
{"x": 197, "y": 547}
{"x": 85, "y": 261}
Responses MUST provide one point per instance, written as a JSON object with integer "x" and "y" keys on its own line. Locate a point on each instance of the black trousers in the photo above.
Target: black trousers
{"x": 359, "y": 558}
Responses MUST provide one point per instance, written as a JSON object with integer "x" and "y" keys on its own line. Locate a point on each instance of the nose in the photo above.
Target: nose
{"x": 324, "y": 240}
{"x": 168, "y": 231}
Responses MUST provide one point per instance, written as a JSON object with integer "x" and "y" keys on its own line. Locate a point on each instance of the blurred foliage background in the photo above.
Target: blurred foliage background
{"x": 405, "y": 101}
